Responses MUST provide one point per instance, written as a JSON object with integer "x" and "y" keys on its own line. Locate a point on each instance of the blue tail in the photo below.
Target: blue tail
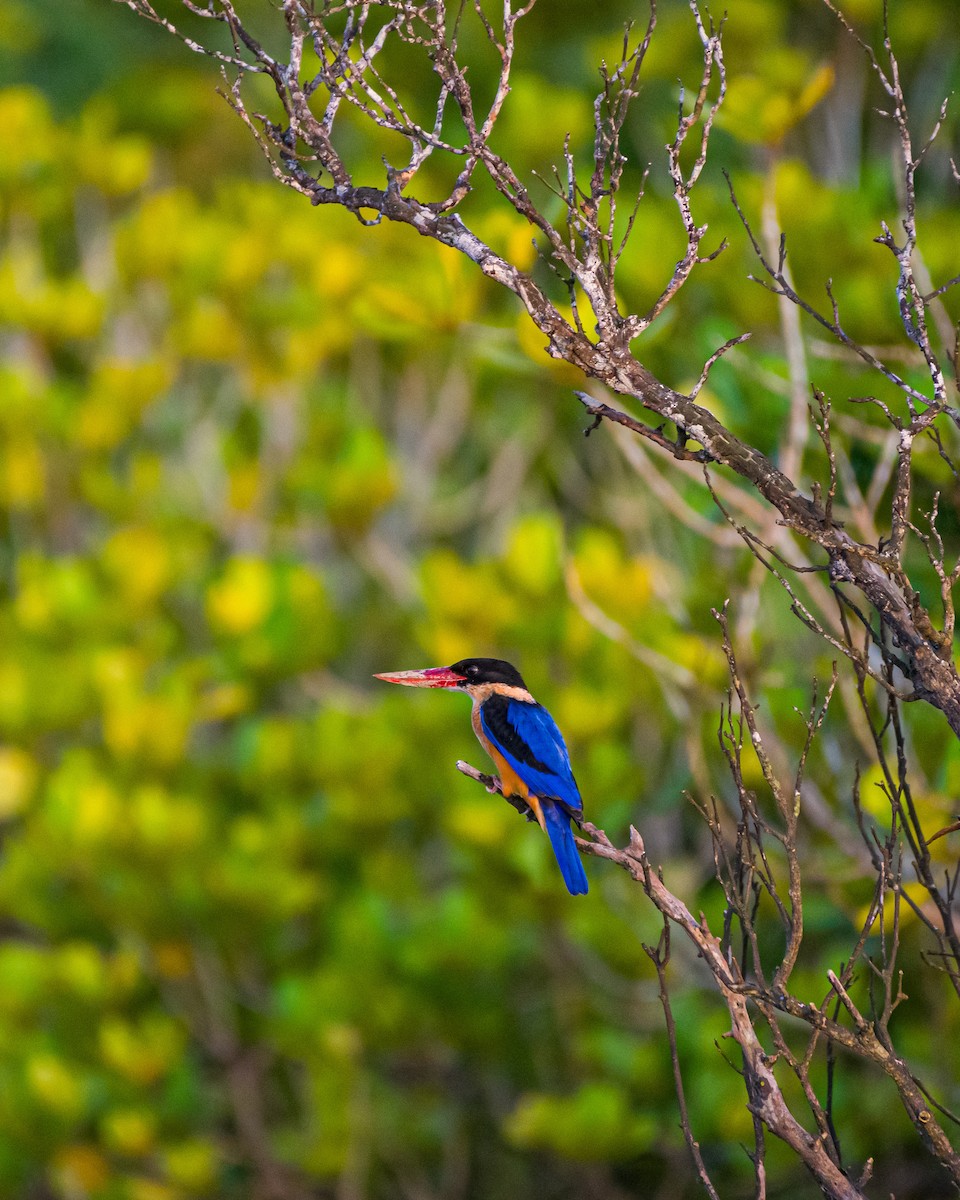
{"x": 557, "y": 820}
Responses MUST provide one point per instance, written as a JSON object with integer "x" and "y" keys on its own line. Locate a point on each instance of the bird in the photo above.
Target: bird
{"x": 525, "y": 744}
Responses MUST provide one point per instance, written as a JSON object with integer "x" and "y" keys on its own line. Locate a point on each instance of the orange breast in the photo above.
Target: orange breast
{"x": 511, "y": 782}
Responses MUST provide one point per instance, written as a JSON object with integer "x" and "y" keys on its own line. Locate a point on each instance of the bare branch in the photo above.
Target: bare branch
{"x": 659, "y": 955}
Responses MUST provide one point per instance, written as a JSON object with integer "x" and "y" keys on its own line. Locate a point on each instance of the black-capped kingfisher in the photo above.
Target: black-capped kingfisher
{"x": 525, "y": 744}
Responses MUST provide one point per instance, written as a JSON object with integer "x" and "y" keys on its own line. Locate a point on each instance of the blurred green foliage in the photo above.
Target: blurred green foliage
{"x": 251, "y": 453}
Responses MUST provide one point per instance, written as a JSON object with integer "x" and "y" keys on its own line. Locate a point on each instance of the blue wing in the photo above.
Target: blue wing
{"x": 530, "y": 742}
{"x": 528, "y": 738}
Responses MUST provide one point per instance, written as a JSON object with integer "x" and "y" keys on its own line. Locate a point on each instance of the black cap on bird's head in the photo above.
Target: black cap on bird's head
{"x": 463, "y": 674}
{"x": 489, "y": 670}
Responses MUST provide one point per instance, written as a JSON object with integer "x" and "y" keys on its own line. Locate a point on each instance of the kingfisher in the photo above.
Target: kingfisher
{"x": 525, "y": 744}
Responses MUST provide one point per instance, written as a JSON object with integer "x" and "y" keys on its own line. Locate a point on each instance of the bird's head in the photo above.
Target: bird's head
{"x": 462, "y": 676}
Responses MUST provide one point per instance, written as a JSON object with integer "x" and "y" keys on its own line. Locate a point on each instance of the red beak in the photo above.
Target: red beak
{"x": 433, "y": 677}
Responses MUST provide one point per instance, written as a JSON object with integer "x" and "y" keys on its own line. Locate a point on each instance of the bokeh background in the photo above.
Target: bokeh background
{"x": 258, "y": 938}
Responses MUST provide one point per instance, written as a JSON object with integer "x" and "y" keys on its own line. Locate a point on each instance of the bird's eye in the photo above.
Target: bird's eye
{"x": 473, "y": 670}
